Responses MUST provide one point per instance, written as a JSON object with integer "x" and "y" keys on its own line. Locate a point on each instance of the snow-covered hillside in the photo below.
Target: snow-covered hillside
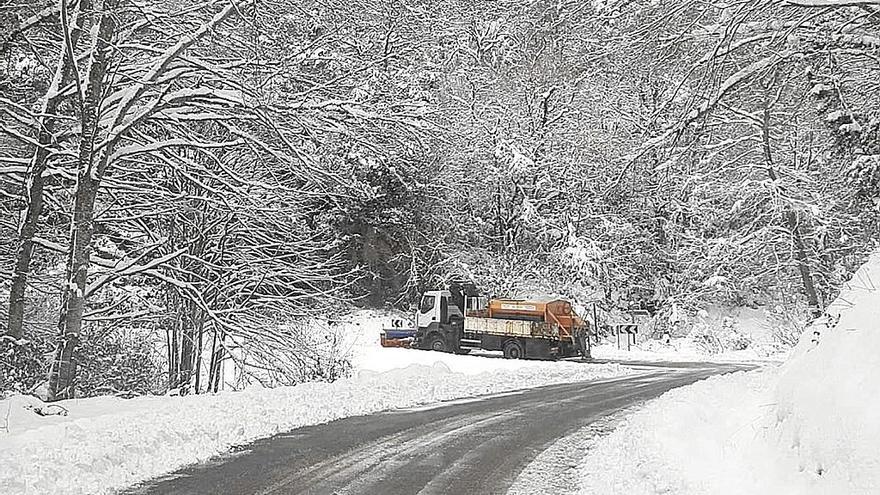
{"x": 808, "y": 427}
{"x": 106, "y": 443}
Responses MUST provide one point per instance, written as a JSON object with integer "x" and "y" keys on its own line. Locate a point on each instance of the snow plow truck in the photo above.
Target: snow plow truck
{"x": 520, "y": 328}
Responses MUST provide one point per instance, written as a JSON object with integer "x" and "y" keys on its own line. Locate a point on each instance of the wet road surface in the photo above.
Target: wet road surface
{"x": 469, "y": 446}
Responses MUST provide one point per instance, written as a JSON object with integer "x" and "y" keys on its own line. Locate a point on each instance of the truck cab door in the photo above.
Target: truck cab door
{"x": 444, "y": 309}
{"x": 428, "y": 311}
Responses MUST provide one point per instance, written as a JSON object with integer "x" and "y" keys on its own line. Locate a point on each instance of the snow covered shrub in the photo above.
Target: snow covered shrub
{"x": 304, "y": 351}
{"x": 786, "y": 326}
{"x": 718, "y": 333}
{"x": 736, "y": 340}
{"x": 707, "y": 339}
{"x": 863, "y": 174}
{"x": 111, "y": 360}
{"x": 120, "y": 361}
{"x": 23, "y": 364}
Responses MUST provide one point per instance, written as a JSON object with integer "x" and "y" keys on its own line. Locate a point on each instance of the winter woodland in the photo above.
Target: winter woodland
{"x": 185, "y": 185}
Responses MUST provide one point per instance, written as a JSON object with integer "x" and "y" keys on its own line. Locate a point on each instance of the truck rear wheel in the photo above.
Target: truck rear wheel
{"x": 513, "y": 350}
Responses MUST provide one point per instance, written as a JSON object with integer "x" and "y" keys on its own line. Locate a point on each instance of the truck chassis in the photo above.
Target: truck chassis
{"x": 516, "y": 339}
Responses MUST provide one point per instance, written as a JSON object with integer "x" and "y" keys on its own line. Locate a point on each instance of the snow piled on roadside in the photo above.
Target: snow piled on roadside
{"x": 829, "y": 394}
{"x": 105, "y": 443}
{"x": 808, "y": 427}
{"x": 683, "y": 349}
{"x": 699, "y": 439}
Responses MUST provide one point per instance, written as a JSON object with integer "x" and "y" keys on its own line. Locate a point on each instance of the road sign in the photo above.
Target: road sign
{"x": 630, "y": 330}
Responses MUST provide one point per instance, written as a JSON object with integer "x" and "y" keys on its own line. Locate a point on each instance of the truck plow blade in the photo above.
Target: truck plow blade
{"x": 397, "y": 337}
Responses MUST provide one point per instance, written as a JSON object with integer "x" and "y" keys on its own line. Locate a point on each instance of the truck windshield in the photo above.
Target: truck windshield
{"x": 427, "y": 304}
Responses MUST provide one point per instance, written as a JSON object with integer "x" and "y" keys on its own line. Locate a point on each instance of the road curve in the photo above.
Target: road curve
{"x": 467, "y": 446}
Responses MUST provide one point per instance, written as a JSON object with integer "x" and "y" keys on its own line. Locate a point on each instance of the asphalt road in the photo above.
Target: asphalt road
{"x": 474, "y": 446}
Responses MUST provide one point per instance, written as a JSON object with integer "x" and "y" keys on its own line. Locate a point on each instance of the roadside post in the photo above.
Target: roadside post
{"x": 630, "y": 330}
{"x": 595, "y": 323}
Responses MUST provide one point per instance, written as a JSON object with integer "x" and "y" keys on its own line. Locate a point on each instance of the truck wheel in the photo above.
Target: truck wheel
{"x": 437, "y": 344}
{"x": 513, "y": 350}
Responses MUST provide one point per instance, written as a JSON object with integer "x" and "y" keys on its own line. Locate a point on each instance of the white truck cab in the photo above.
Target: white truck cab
{"x": 437, "y": 307}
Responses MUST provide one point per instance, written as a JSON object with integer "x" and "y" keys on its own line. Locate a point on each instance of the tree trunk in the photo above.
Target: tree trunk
{"x": 64, "y": 75}
{"x": 803, "y": 261}
{"x": 62, "y": 379}
{"x": 62, "y": 376}
{"x": 200, "y": 332}
{"x": 185, "y": 362}
{"x": 216, "y": 360}
{"x": 803, "y": 264}
{"x": 180, "y": 370}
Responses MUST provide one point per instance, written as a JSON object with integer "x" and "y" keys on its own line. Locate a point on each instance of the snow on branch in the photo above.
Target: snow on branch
{"x": 133, "y": 267}
{"x": 864, "y": 41}
{"x": 767, "y": 27}
{"x": 61, "y": 248}
{"x": 30, "y": 22}
{"x": 735, "y": 80}
{"x": 831, "y": 3}
{"x": 734, "y": 46}
{"x": 168, "y": 101}
{"x": 15, "y": 159}
{"x": 131, "y": 315}
{"x": 12, "y": 170}
{"x": 161, "y": 65}
{"x": 135, "y": 149}
{"x": 22, "y": 114}
{"x": 15, "y": 134}
{"x": 706, "y": 107}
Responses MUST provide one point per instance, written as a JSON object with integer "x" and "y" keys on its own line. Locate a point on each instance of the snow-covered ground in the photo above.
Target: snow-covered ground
{"x": 105, "y": 443}
{"x": 807, "y": 427}
{"x": 368, "y": 355}
{"x": 719, "y": 328}
{"x": 683, "y": 349}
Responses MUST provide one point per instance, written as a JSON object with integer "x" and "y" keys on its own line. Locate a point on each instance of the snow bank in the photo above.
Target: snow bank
{"x": 829, "y": 394}
{"x": 693, "y": 440}
{"x": 683, "y": 349}
{"x": 808, "y": 427}
{"x": 105, "y": 444}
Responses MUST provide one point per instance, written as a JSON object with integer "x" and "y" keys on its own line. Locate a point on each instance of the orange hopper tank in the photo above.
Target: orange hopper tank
{"x": 549, "y": 311}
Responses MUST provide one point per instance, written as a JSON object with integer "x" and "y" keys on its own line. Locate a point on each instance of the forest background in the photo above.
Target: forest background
{"x": 185, "y": 183}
